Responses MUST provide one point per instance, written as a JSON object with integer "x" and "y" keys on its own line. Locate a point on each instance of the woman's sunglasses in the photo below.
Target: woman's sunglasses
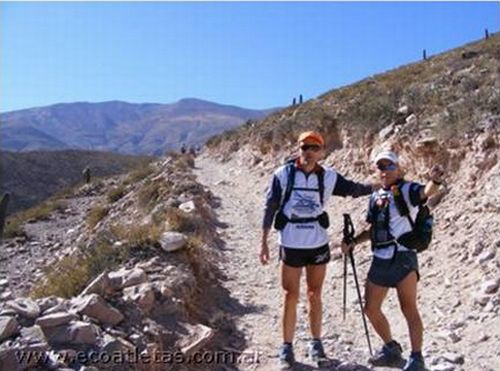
{"x": 389, "y": 167}
{"x": 313, "y": 147}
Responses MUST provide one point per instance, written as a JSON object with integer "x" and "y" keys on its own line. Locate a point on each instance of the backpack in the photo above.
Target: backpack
{"x": 281, "y": 219}
{"x": 419, "y": 238}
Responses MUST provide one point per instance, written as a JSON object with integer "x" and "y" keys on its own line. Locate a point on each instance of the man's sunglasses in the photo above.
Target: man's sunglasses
{"x": 389, "y": 167}
{"x": 313, "y": 147}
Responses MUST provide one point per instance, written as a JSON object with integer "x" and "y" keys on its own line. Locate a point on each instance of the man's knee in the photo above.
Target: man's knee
{"x": 314, "y": 294}
{"x": 291, "y": 295}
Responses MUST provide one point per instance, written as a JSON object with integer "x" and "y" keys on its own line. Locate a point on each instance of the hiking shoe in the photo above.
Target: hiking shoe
{"x": 389, "y": 356}
{"x": 315, "y": 351}
{"x": 415, "y": 364}
{"x": 286, "y": 357}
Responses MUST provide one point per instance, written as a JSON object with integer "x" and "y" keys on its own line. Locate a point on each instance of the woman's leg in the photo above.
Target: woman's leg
{"x": 290, "y": 281}
{"x": 315, "y": 276}
{"x": 374, "y": 297}
{"x": 407, "y": 295}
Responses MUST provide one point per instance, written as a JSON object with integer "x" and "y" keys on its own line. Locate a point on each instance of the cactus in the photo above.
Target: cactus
{"x": 86, "y": 175}
{"x": 3, "y": 212}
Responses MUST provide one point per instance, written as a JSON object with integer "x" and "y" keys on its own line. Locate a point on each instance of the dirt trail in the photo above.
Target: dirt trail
{"x": 459, "y": 334}
{"x": 241, "y": 193}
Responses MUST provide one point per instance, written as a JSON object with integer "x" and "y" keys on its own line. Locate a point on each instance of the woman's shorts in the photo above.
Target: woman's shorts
{"x": 302, "y": 257}
{"x": 388, "y": 273}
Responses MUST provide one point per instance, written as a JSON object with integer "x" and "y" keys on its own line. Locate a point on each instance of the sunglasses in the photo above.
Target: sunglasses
{"x": 389, "y": 167}
{"x": 313, "y": 147}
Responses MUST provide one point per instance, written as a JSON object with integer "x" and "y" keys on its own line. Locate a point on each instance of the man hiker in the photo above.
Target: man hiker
{"x": 296, "y": 202}
{"x": 394, "y": 264}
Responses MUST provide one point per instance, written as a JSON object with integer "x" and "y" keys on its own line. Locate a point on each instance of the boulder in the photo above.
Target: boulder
{"x": 24, "y": 307}
{"x": 96, "y": 307}
{"x": 56, "y": 319}
{"x": 77, "y": 332}
{"x": 8, "y": 327}
{"x": 173, "y": 241}
{"x": 127, "y": 277}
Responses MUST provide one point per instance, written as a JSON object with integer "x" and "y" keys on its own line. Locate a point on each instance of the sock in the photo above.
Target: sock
{"x": 286, "y": 343}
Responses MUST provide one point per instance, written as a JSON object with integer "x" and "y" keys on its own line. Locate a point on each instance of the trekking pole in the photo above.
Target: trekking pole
{"x": 348, "y": 238}
{"x": 345, "y": 288}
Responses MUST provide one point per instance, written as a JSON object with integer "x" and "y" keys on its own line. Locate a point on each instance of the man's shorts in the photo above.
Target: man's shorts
{"x": 388, "y": 273}
{"x": 302, "y": 257}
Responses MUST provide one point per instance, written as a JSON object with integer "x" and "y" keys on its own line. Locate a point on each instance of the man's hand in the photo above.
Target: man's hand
{"x": 264, "y": 253}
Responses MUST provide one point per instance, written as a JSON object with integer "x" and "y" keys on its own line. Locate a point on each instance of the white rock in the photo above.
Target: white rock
{"x": 403, "y": 110}
{"x": 4, "y": 282}
{"x": 444, "y": 367}
{"x": 486, "y": 256}
{"x": 412, "y": 119}
{"x": 187, "y": 207}
{"x": 172, "y": 241}
{"x": 491, "y": 286}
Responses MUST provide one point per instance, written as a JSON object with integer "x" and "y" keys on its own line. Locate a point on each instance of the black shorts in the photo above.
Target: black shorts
{"x": 388, "y": 273}
{"x": 302, "y": 257}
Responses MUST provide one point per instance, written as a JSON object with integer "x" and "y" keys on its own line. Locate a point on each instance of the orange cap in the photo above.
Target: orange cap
{"x": 311, "y": 137}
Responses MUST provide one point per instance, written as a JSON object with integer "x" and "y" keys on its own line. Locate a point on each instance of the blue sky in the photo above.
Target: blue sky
{"x": 255, "y": 55}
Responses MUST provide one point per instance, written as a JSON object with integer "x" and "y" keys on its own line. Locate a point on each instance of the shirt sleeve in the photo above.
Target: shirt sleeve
{"x": 344, "y": 187}
{"x": 414, "y": 193}
{"x": 273, "y": 198}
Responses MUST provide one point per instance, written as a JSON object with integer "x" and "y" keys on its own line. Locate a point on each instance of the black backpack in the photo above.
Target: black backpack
{"x": 419, "y": 238}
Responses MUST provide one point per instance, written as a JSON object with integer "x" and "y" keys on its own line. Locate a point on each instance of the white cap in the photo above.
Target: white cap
{"x": 387, "y": 155}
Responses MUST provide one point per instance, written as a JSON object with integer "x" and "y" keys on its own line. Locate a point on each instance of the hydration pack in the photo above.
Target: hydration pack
{"x": 419, "y": 238}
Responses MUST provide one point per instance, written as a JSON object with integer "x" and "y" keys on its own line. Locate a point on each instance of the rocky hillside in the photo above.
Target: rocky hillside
{"x": 32, "y": 177}
{"x": 126, "y": 266}
{"x": 119, "y": 126}
{"x": 445, "y": 110}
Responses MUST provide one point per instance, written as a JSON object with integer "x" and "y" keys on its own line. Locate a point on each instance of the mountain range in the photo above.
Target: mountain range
{"x": 146, "y": 128}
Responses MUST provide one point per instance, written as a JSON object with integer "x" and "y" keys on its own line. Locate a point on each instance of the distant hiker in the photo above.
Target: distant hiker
{"x": 300, "y": 99}
{"x": 183, "y": 148}
{"x": 294, "y": 101}
{"x": 86, "y": 175}
{"x": 198, "y": 149}
{"x": 295, "y": 200}
{"x": 192, "y": 150}
{"x": 392, "y": 216}
{"x": 4, "y": 203}
{"x": 424, "y": 55}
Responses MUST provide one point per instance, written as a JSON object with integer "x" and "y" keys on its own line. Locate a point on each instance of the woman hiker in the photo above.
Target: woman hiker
{"x": 394, "y": 264}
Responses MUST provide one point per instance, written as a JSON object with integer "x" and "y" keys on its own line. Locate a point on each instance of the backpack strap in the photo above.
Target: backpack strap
{"x": 401, "y": 204}
{"x": 289, "y": 184}
{"x": 321, "y": 185}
